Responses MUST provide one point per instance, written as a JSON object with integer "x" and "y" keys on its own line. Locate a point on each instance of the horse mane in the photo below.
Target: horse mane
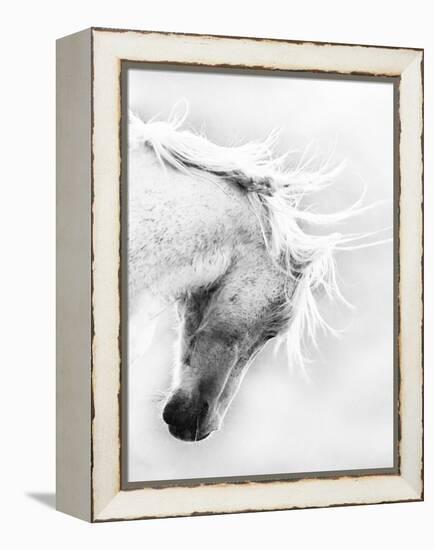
{"x": 275, "y": 192}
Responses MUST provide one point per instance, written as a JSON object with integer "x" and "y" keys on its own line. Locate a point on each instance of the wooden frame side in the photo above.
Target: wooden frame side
{"x": 73, "y": 274}
{"x": 410, "y": 336}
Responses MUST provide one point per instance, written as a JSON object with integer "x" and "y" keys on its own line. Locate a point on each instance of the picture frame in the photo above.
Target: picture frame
{"x": 90, "y": 394}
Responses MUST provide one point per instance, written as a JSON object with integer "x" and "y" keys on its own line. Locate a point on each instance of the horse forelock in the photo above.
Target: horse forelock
{"x": 275, "y": 193}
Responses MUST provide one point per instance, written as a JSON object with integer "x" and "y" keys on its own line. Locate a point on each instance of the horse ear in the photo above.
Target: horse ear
{"x": 136, "y": 129}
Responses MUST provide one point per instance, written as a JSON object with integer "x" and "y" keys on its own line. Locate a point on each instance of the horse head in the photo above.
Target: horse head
{"x": 222, "y": 327}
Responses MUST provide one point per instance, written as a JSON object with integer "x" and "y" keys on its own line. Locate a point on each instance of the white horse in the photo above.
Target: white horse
{"x": 221, "y": 233}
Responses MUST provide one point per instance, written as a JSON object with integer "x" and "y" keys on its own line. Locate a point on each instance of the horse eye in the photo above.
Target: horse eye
{"x": 271, "y": 333}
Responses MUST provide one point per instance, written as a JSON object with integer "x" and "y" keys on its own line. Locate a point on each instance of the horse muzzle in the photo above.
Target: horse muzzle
{"x": 187, "y": 417}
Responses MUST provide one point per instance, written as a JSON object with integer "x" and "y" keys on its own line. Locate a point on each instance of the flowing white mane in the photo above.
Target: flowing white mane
{"x": 275, "y": 193}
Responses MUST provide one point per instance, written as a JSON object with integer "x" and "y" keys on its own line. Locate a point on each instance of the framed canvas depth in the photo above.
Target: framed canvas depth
{"x": 193, "y": 237}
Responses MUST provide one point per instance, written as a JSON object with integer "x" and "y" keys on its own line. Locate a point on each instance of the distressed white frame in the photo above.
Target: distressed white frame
{"x": 101, "y": 497}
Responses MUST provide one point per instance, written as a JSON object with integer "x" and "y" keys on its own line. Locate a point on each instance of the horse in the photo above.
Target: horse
{"x": 223, "y": 234}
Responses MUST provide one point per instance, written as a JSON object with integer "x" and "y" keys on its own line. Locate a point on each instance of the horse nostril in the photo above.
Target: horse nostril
{"x": 174, "y": 408}
{"x": 168, "y": 413}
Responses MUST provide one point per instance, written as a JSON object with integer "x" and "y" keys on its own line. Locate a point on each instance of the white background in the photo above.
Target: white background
{"x": 27, "y": 229}
{"x": 339, "y": 416}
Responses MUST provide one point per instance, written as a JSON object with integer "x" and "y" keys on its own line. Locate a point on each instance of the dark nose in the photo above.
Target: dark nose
{"x": 185, "y": 414}
{"x": 177, "y": 408}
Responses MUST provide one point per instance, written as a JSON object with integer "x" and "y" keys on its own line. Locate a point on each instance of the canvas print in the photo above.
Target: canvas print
{"x": 258, "y": 281}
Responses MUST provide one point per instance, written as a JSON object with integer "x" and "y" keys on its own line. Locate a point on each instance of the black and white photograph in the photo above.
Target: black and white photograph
{"x": 217, "y": 257}
{"x": 258, "y": 274}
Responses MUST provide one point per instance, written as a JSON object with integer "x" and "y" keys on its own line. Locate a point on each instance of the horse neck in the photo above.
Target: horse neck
{"x": 183, "y": 229}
